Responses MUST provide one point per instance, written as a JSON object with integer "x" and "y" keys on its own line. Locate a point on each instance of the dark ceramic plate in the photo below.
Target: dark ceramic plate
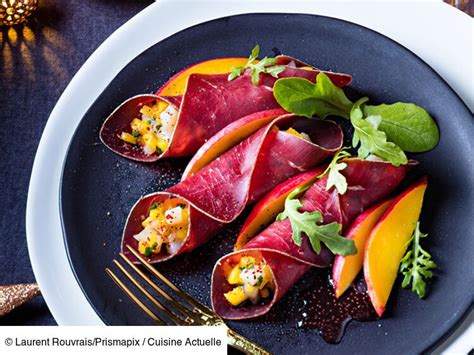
{"x": 99, "y": 187}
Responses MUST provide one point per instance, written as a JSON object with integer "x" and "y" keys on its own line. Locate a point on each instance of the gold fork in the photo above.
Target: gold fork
{"x": 185, "y": 309}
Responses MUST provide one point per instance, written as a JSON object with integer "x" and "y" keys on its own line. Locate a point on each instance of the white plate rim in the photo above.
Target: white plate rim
{"x": 44, "y": 233}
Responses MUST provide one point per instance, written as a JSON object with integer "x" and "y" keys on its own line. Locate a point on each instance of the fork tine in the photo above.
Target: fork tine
{"x": 171, "y": 315}
{"x": 176, "y": 290}
{"x": 129, "y": 293}
{"x": 185, "y": 311}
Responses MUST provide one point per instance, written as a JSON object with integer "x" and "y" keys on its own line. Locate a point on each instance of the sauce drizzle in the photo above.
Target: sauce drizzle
{"x": 321, "y": 310}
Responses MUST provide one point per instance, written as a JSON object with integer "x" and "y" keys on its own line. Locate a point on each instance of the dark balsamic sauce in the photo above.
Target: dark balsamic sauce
{"x": 321, "y": 310}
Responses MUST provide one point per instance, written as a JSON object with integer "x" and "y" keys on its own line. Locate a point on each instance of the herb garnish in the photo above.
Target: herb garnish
{"x": 371, "y": 139}
{"x": 306, "y": 222}
{"x": 335, "y": 178}
{"x": 383, "y": 130}
{"x": 304, "y": 98}
{"x": 416, "y": 265}
{"x": 135, "y": 133}
{"x": 266, "y": 65}
{"x": 155, "y": 205}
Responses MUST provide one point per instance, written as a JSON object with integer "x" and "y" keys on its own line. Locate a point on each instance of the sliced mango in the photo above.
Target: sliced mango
{"x": 388, "y": 242}
{"x": 271, "y": 204}
{"x": 346, "y": 268}
{"x": 177, "y": 84}
{"x": 127, "y": 137}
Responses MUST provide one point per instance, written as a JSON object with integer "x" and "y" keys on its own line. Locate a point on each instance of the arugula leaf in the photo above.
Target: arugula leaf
{"x": 335, "y": 178}
{"x": 306, "y": 222}
{"x": 407, "y": 125}
{"x": 266, "y": 65}
{"x": 371, "y": 139}
{"x": 304, "y": 98}
{"x": 235, "y": 72}
{"x": 416, "y": 266}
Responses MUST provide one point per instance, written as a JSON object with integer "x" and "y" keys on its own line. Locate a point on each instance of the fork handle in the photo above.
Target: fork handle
{"x": 243, "y": 344}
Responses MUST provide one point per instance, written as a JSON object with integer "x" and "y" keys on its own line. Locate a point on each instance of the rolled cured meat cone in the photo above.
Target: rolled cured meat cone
{"x": 237, "y": 167}
{"x": 208, "y": 103}
{"x": 368, "y": 183}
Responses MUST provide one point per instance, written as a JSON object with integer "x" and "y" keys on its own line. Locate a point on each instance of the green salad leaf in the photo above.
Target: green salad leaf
{"x": 416, "y": 266}
{"x": 335, "y": 178}
{"x": 371, "y": 139}
{"x": 309, "y": 223}
{"x": 384, "y": 130}
{"x": 266, "y": 65}
{"x": 407, "y": 125}
{"x": 304, "y": 98}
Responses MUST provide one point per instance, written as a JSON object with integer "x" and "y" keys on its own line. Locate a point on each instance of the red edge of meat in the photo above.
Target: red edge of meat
{"x": 339, "y": 79}
{"x": 274, "y": 243}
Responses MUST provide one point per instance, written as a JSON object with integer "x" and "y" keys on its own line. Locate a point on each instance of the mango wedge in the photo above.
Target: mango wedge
{"x": 388, "y": 243}
{"x": 346, "y": 268}
{"x": 265, "y": 211}
{"x": 177, "y": 84}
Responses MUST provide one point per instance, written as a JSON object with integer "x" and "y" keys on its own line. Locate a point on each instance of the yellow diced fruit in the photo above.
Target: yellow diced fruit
{"x": 267, "y": 272}
{"x": 251, "y": 291}
{"x": 147, "y": 111}
{"x": 142, "y": 245}
{"x": 294, "y": 132}
{"x": 236, "y": 296}
{"x": 162, "y": 144}
{"x": 234, "y": 276}
{"x": 160, "y": 107}
{"x": 152, "y": 239}
{"x": 143, "y": 127}
{"x": 127, "y": 137}
{"x": 136, "y": 124}
{"x": 147, "y": 221}
{"x": 185, "y": 215}
{"x": 181, "y": 233}
{"x": 265, "y": 292}
{"x": 267, "y": 277}
{"x": 154, "y": 213}
{"x": 246, "y": 261}
{"x": 306, "y": 68}
{"x": 150, "y": 141}
{"x": 155, "y": 243}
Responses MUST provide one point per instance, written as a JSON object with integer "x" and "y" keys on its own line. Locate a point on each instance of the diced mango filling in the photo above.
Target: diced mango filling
{"x": 152, "y": 131}
{"x": 301, "y": 135}
{"x": 166, "y": 224}
{"x": 295, "y": 133}
{"x": 253, "y": 279}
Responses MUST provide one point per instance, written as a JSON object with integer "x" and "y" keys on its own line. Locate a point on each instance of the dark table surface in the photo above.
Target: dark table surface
{"x": 37, "y": 62}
